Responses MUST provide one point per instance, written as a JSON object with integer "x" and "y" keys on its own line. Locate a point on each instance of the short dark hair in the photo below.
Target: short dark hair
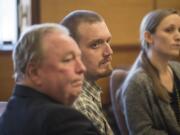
{"x": 75, "y": 18}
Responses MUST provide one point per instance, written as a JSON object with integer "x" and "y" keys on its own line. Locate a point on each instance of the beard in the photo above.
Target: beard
{"x": 101, "y": 73}
{"x": 106, "y": 73}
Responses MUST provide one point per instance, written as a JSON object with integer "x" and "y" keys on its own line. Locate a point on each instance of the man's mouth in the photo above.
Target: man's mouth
{"x": 77, "y": 83}
{"x": 106, "y": 61}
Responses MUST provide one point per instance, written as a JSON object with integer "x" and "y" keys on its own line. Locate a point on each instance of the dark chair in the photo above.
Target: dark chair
{"x": 116, "y": 80}
{"x": 2, "y": 106}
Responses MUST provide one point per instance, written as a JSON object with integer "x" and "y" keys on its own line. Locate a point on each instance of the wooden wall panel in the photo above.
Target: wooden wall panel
{"x": 168, "y": 4}
{"x": 122, "y": 16}
{"x": 6, "y": 73}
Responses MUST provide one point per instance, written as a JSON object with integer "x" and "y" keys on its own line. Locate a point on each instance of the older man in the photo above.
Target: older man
{"x": 49, "y": 75}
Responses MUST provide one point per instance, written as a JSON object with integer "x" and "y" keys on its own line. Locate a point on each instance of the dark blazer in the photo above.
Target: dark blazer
{"x": 32, "y": 113}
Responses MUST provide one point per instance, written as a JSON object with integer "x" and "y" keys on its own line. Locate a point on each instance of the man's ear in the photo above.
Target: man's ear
{"x": 32, "y": 71}
{"x": 148, "y": 37}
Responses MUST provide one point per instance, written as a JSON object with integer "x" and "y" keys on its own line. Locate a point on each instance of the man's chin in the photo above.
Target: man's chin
{"x": 105, "y": 73}
{"x": 98, "y": 74}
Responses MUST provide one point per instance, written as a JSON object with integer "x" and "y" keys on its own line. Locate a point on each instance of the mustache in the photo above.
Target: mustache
{"x": 105, "y": 60}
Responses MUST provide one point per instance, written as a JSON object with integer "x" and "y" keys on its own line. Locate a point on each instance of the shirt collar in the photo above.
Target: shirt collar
{"x": 91, "y": 88}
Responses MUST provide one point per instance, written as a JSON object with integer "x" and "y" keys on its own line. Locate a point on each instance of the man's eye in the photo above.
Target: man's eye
{"x": 95, "y": 45}
{"x": 68, "y": 59}
{"x": 108, "y": 40}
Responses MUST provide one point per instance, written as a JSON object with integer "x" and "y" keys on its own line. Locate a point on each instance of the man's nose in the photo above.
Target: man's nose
{"x": 108, "y": 50}
{"x": 80, "y": 66}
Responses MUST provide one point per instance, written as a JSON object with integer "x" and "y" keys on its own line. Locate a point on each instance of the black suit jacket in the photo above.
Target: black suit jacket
{"x": 32, "y": 113}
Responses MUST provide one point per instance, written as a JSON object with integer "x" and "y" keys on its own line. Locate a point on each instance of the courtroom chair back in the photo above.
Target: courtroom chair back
{"x": 116, "y": 79}
{"x": 3, "y": 105}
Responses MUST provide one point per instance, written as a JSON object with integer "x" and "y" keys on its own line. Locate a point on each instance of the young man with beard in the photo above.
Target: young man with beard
{"x": 93, "y": 37}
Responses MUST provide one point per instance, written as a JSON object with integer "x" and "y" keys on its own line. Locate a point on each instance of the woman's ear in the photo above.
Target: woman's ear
{"x": 148, "y": 37}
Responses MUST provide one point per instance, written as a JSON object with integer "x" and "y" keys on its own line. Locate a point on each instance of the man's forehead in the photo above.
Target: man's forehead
{"x": 94, "y": 31}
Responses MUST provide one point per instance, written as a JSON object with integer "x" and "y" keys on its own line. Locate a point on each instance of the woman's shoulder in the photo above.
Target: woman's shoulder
{"x": 175, "y": 67}
{"x": 175, "y": 64}
{"x": 136, "y": 81}
{"x": 138, "y": 76}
